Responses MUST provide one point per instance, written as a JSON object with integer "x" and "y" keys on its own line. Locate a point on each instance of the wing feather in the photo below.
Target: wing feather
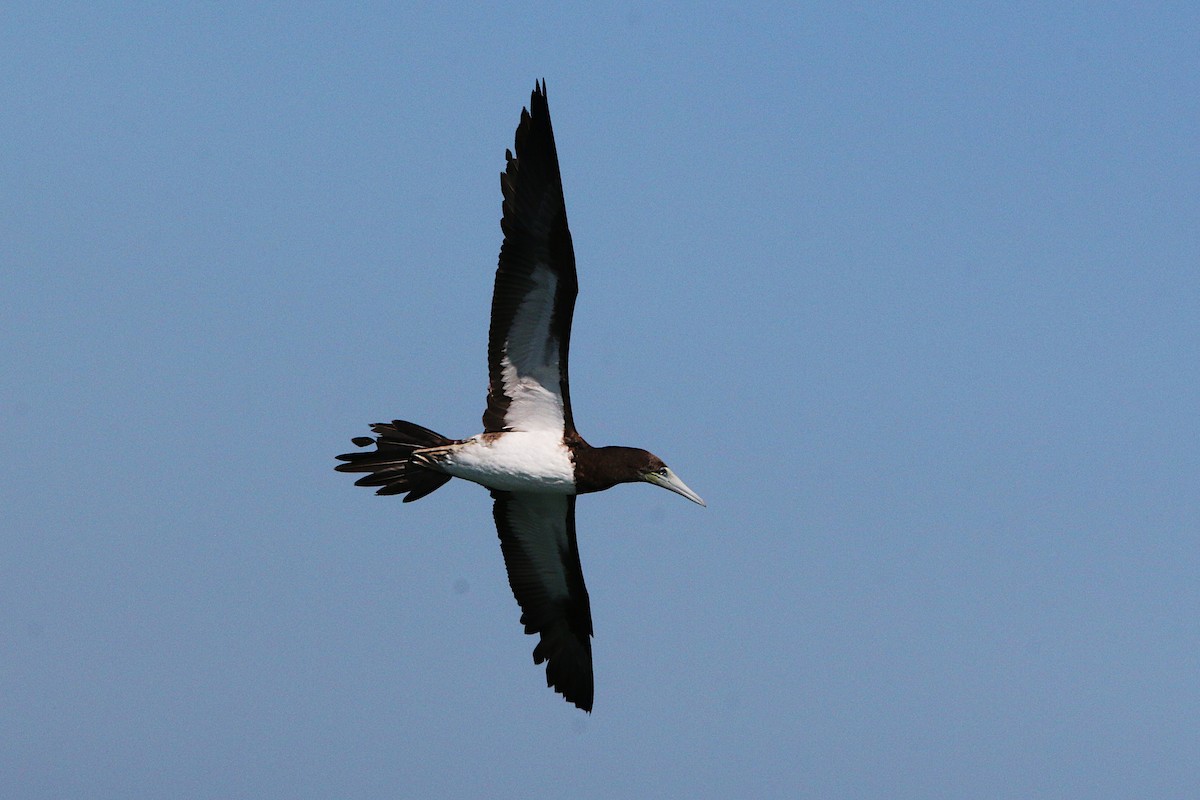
{"x": 537, "y": 537}
{"x": 534, "y": 296}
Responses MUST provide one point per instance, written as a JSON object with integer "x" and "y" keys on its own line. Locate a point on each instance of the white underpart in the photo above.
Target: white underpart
{"x": 534, "y": 461}
{"x": 529, "y": 367}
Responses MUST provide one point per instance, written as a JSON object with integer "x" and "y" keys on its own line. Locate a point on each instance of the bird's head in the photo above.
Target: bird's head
{"x": 656, "y": 472}
{"x": 600, "y": 468}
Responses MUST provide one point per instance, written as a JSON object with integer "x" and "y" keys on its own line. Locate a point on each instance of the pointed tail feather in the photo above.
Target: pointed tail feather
{"x": 390, "y": 465}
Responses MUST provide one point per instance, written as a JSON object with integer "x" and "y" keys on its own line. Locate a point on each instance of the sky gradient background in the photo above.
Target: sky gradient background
{"x": 910, "y": 296}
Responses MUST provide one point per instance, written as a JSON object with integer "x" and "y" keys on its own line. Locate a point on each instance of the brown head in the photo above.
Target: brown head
{"x": 600, "y": 468}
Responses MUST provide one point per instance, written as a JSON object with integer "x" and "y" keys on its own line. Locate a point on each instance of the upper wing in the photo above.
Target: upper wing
{"x": 534, "y": 296}
{"x": 537, "y": 536}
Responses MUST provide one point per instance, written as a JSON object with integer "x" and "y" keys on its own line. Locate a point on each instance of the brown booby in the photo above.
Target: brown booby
{"x": 529, "y": 455}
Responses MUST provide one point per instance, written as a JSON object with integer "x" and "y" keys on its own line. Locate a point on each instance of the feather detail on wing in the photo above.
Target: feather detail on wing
{"x": 537, "y": 537}
{"x": 534, "y": 296}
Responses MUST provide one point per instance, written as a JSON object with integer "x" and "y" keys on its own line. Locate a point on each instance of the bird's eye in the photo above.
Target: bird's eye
{"x": 662, "y": 472}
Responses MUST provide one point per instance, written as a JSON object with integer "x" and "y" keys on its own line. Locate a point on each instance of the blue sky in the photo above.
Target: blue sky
{"x": 909, "y": 294}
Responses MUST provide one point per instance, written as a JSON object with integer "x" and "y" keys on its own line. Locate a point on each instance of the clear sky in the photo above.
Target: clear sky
{"x": 909, "y": 293}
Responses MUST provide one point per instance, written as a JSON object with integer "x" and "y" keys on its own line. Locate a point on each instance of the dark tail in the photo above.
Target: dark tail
{"x": 389, "y": 463}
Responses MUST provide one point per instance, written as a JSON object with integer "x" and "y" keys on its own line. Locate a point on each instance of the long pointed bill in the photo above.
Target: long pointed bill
{"x": 671, "y": 481}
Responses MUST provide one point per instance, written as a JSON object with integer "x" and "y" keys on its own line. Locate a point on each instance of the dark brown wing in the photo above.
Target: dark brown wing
{"x": 537, "y": 536}
{"x": 536, "y": 285}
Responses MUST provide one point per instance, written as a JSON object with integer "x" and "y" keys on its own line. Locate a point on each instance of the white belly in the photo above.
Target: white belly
{"x": 521, "y": 461}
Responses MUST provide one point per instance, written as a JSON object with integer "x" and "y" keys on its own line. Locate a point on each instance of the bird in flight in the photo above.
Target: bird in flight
{"x": 529, "y": 455}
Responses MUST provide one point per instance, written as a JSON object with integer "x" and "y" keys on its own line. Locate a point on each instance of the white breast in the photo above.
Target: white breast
{"x": 519, "y": 461}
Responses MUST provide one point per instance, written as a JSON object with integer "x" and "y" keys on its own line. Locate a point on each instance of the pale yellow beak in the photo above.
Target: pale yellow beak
{"x": 669, "y": 480}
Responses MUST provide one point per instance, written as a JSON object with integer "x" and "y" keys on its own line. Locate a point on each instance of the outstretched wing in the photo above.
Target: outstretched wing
{"x": 537, "y": 536}
{"x": 536, "y": 285}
